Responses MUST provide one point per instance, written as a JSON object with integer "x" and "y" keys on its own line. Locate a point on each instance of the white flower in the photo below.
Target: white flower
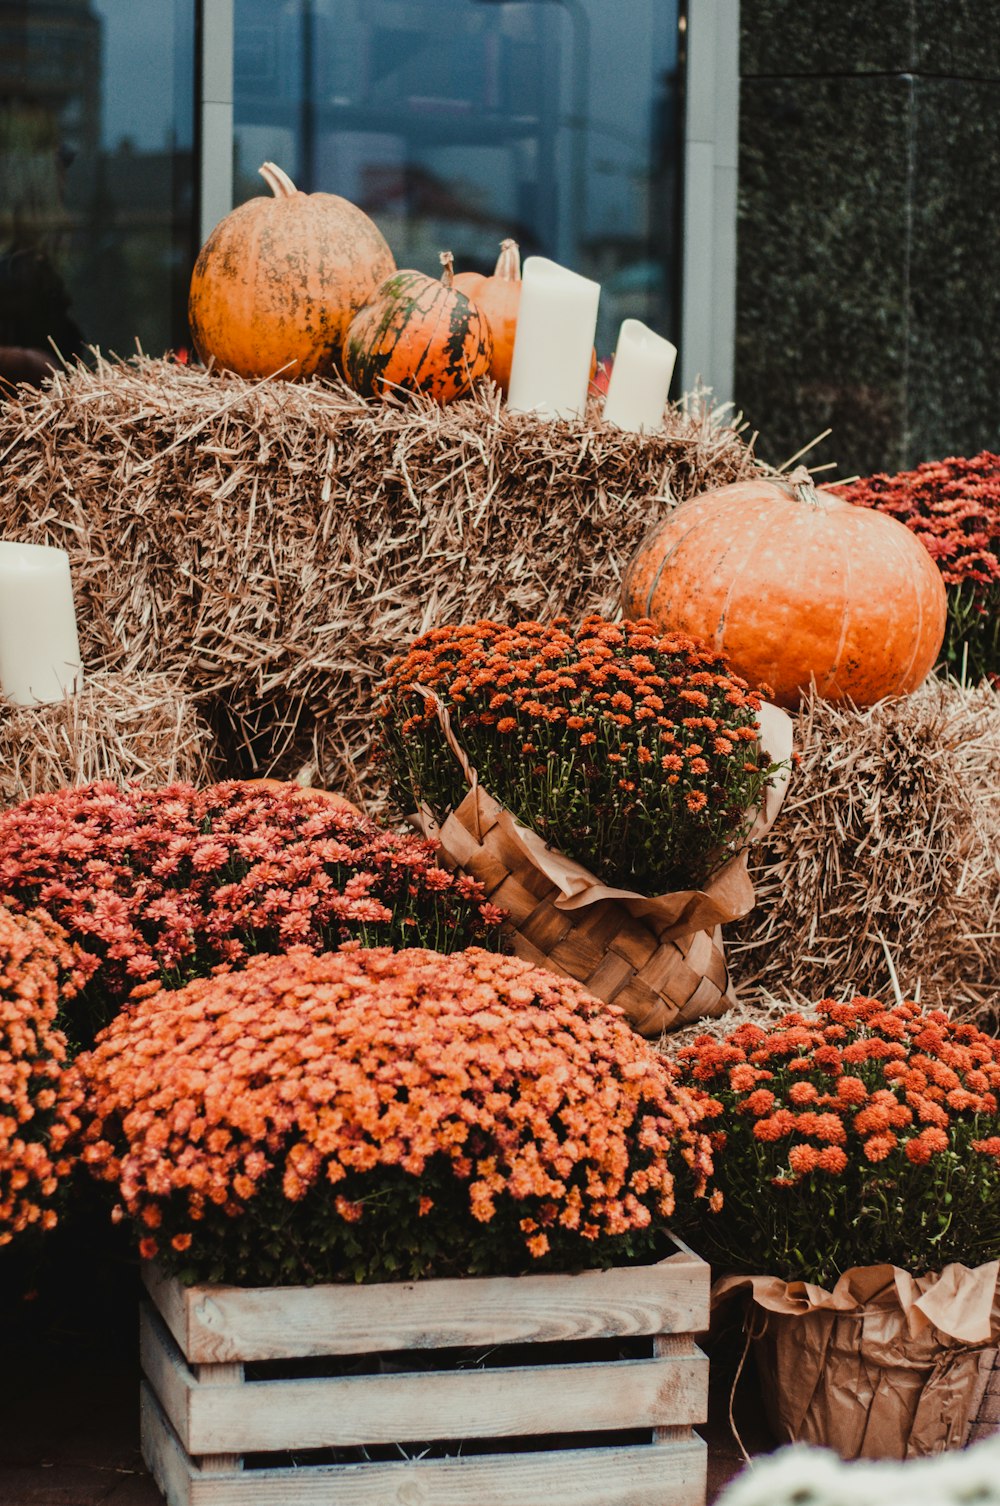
{"x": 801, "y": 1476}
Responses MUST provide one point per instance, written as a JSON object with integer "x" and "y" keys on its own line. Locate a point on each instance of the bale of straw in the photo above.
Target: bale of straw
{"x": 269, "y": 544}
{"x": 117, "y": 727}
{"x": 885, "y": 859}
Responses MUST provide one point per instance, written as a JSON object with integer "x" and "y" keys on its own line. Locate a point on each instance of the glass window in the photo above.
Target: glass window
{"x": 456, "y": 123}
{"x": 96, "y": 173}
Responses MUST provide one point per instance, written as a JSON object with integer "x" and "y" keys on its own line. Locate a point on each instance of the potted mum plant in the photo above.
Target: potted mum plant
{"x": 458, "y": 1130}
{"x": 38, "y": 1103}
{"x": 858, "y": 1160}
{"x": 602, "y": 782}
{"x": 166, "y": 884}
{"x": 953, "y": 506}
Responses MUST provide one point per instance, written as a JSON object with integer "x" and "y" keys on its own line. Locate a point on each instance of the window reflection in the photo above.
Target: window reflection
{"x": 96, "y": 201}
{"x": 455, "y": 123}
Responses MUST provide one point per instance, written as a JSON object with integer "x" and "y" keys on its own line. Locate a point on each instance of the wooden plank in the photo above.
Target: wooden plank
{"x": 219, "y": 1375}
{"x": 671, "y": 1475}
{"x": 162, "y": 1453}
{"x": 171, "y": 1301}
{"x": 215, "y": 1324}
{"x": 261, "y": 1416}
{"x": 164, "y": 1367}
{"x": 502, "y": 1403}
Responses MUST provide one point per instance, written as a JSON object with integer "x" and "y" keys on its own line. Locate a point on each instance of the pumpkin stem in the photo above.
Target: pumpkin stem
{"x": 508, "y": 267}
{"x": 448, "y": 264}
{"x": 799, "y": 483}
{"x": 277, "y": 180}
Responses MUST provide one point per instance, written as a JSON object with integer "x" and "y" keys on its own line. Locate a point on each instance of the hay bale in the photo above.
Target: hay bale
{"x": 117, "y": 727}
{"x": 269, "y": 544}
{"x": 890, "y": 830}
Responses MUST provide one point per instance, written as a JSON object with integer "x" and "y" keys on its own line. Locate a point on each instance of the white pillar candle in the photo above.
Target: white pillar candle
{"x": 554, "y": 342}
{"x": 640, "y": 379}
{"x": 39, "y": 647}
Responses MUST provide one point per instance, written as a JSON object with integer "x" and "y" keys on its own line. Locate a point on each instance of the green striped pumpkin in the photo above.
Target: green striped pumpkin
{"x": 418, "y": 335}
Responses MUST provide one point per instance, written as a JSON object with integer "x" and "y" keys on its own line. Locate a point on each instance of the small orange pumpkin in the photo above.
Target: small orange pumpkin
{"x": 279, "y": 280}
{"x": 793, "y": 584}
{"x": 498, "y": 296}
{"x": 419, "y": 335}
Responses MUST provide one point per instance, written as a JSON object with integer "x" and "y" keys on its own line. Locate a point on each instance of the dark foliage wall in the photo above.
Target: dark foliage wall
{"x": 868, "y": 281}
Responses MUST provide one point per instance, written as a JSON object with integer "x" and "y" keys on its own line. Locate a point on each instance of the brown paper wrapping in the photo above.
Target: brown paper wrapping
{"x": 660, "y": 958}
{"x": 884, "y": 1366}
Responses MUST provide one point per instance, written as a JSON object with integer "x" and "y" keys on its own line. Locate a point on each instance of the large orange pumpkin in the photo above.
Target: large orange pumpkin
{"x": 419, "y": 335}
{"x": 498, "y": 296}
{"x": 793, "y": 583}
{"x": 279, "y": 280}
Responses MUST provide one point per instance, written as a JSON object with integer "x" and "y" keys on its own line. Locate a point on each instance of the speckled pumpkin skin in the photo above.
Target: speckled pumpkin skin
{"x": 792, "y": 583}
{"x": 420, "y": 335}
{"x": 278, "y": 282}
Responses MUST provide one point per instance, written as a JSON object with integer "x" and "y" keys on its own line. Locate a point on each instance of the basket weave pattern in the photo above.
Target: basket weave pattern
{"x": 624, "y": 959}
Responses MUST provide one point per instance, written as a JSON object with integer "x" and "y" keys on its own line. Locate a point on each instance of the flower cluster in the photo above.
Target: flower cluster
{"x": 634, "y": 752}
{"x": 807, "y": 1476}
{"x": 867, "y": 1134}
{"x": 374, "y": 1115}
{"x": 38, "y": 1102}
{"x": 167, "y": 884}
{"x": 953, "y": 506}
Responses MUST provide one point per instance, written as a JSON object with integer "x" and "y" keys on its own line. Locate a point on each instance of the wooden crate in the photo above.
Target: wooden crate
{"x": 464, "y": 1433}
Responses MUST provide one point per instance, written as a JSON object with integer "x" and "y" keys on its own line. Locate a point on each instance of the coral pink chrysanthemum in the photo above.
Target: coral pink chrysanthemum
{"x": 163, "y": 885}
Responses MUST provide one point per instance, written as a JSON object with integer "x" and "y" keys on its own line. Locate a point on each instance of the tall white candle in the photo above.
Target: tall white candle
{"x": 554, "y": 342}
{"x": 640, "y": 378}
{"x": 39, "y": 647}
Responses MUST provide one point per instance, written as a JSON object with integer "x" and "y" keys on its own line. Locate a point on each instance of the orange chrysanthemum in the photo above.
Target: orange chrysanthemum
{"x": 608, "y": 709}
{"x": 38, "y": 1099}
{"x": 377, "y": 1113}
{"x": 899, "y": 1111}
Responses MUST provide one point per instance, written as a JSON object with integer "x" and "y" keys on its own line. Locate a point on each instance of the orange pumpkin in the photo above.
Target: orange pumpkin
{"x": 279, "y": 280}
{"x": 792, "y": 583}
{"x": 498, "y": 296}
{"x": 419, "y": 335}
{"x": 306, "y": 791}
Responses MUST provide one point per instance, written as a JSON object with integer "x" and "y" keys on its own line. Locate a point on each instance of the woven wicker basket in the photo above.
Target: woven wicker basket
{"x": 660, "y": 978}
{"x": 660, "y": 959}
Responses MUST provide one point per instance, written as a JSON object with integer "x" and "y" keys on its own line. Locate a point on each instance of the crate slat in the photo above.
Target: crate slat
{"x": 259, "y": 1416}
{"x": 217, "y": 1324}
{"x": 670, "y": 1474}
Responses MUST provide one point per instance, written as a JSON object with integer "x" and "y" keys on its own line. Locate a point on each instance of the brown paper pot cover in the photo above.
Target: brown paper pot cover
{"x": 270, "y": 544}
{"x": 884, "y": 1367}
